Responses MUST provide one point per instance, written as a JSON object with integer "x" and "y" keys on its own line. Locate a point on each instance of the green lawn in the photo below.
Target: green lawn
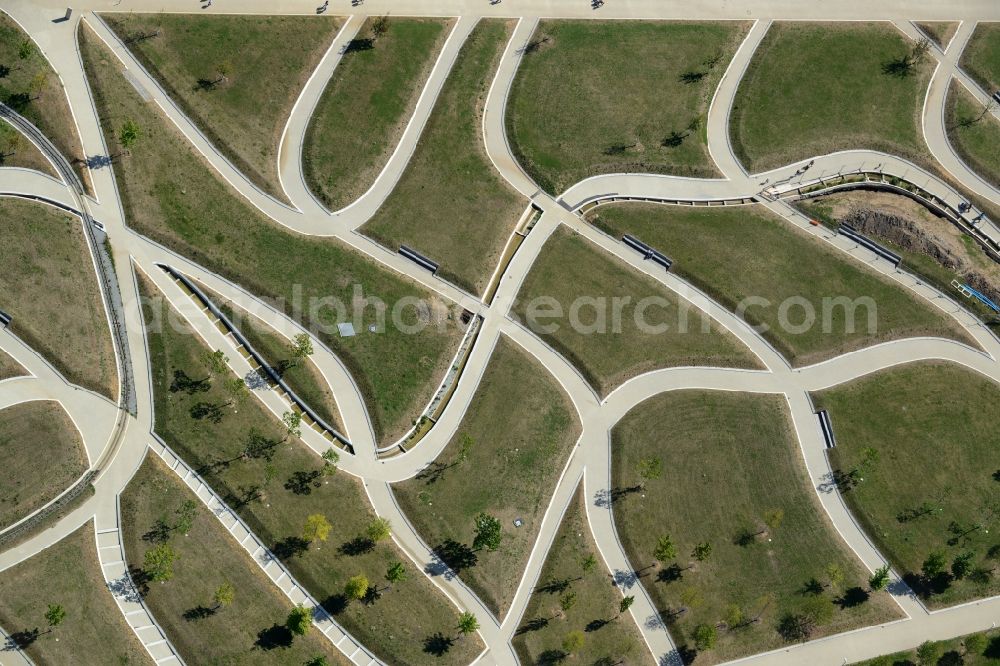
{"x": 954, "y": 651}
{"x": 69, "y": 574}
{"x": 732, "y": 477}
{"x": 275, "y": 497}
{"x": 249, "y": 631}
{"x": 981, "y": 58}
{"x": 235, "y": 76}
{"x": 366, "y": 106}
{"x": 9, "y": 367}
{"x": 569, "y": 577}
{"x": 31, "y": 87}
{"x": 582, "y": 105}
{"x": 451, "y": 204}
{"x": 974, "y": 134}
{"x": 736, "y": 254}
{"x": 933, "y": 487}
{"x": 520, "y": 427}
{"x": 51, "y": 291}
{"x": 301, "y": 375}
{"x": 940, "y": 32}
{"x": 171, "y": 196}
{"x": 816, "y": 88}
{"x": 609, "y": 348}
{"x": 30, "y": 432}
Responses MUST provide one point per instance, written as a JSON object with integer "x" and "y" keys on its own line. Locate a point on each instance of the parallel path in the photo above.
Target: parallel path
{"x": 590, "y": 460}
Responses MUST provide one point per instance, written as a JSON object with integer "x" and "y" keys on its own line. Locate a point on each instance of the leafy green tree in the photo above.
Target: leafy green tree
{"x": 379, "y": 529}
{"x": 625, "y": 604}
{"x": 318, "y": 660}
{"x": 928, "y": 653}
{"x": 55, "y": 615}
{"x": 691, "y": 597}
{"x": 961, "y": 566}
{"x": 934, "y": 564}
{"x": 299, "y": 620}
{"x": 574, "y": 642}
{"x": 774, "y": 518}
{"x": 380, "y": 25}
{"x": 702, "y": 551}
{"x": 489, "y": 533}
{"x": 834, "y": 575}
{"x": 186, "y": 513}
{"x": 396, "y": 573}
{"x": 128, "y": 135}
{"x": 467, "y": 623}
{"x": 25, "y": 50}
{"x": 302, "y": 347}
{"x": 705, "y": 636}
{"x": 237, "y": 390}
{"x": 258, "y": 447}
{"x": 879, "y": 579}
{"x": 588, "y": 563}
{"x": 158, "y": 562}
{"x": 567, "y": 601}
{"x": 330, "y": 460}
{"x": 316, "y": 528}
{"x": 216, "y": 361}
{"x": 665, "y": 549}
{"x": 974, "y": 644}
{"x": 356, "y": 587}
{"x": 734, "y": 616}
{"x": 293, "y": 423}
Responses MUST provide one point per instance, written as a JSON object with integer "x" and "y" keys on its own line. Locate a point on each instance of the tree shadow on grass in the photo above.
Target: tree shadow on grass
{"x": 356, "y": 546}
{"x": 276, "y": 636}
{"x": 290, "y": 547}
{"x": 335, "y": 604}
{"x": 302, "y": 483}
{"x": 535, "y": 624}
{"x": 852, "y": 598}
{"x": 438, "y": 644}
{"x": 451, "y": 557}
{"x": 360, "y": 44}
{"x": 198, "y": 613}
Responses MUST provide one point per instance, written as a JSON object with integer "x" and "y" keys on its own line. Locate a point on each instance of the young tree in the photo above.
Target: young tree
{"x": 299, "y": 620}
{"x": 625, "y": 604}
{"x": 216, "y": 361}
{"x": 588, "y": 563}
{"x": 224, "y": 595}
{"x": 774, "y": 518}
{"x": 25, "y": 50}
{"x": 380, "y": 25}
{"x": 379, "y": 529}
{"x": 975, "y": 644}
{"x": 396, "y": 573}
{"x": 467, "y": 623}
{"x": 55, "y": 615}
{"x": 186, "y": 513}
{"x": 37, "y": 85}
{"x": 318, "y": 660}
{"x": 567, "y": 601}
{"x": 128, "y": 136}
{"x": 920, "y": 50}
{"x": 650, "y": 469}
{"x": 224, "y": 69}
{"x": 158, "y": 562}
{"x": 702, "y": 551}
{"x": 302, "y": 347}
{"x": 238, "y": 391}
{"x": 734, "y": 616}
{"x": 258, "y": 447}
{"x": 834, "y": 575}
{"x": 879, "y": 579}
{"x": 489, "y": 533}
{"x": 691, "y": 597}
{"x": 934, "y": 564}
{"x": 928, "y": 653}
{"x": 293, "y": 423}
{"x": 705, "y": 636}
{"x": 961, "y": 566}
{"x": 316, "y": 528}
{"x": 574, "y": 642}
{"x": 330, "y": 460}
{"x": 665, "y": 549}
{"x": 356, "y": 587}
{"x": 465, "y": 443}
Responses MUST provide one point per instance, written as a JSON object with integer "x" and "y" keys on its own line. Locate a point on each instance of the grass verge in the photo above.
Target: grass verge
{"x": 251, "y": 629}
{"x": 732, "y": 478}
{"x": 51, "y": 291}
{"x": 939, "y": 31}
{"x": 9, "y": 367}
{"x": 974, "y": 133}
{"x": 17, "y": 151}
{"x": 31, "y": 87}
{"x": 737, "y": 254}
{"x": 240, "y": 103}
{"x": 275, "y": 483}
{"x": 816, "y": 88}
{"x": 614, "y": 114}
{"x": 982, "y": 649}
{"x": 609, "y": 345}
{"x": 366, "y": 106}
{"x": 981, "y": 57}
{"x": 301, "y": 375}
{"x": 170, "y": 195}
{"x": 519, "y": 399}
{"x": 451, "y": 204}
{"x": 574, "y": 595}
{"x": 30, "y": 432}
{"x": 68, "y": 574}
{"x": 922, "y": 437}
